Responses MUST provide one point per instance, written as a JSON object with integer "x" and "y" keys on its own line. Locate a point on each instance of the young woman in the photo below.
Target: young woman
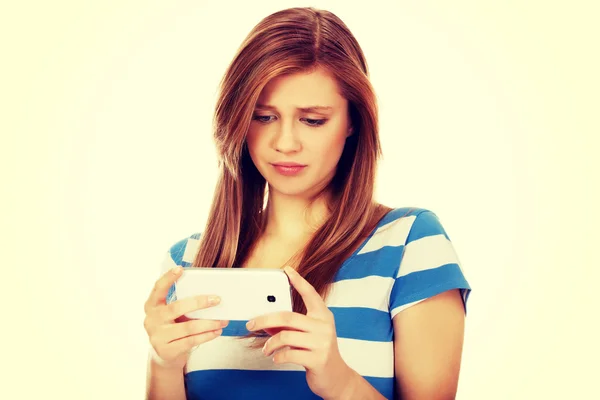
{"x": 379, "y": 299}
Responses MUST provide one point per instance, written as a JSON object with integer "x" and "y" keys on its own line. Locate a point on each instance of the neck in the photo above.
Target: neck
{"x": 292, "y": 218}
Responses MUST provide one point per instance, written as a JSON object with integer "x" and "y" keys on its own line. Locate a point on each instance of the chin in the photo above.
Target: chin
{"x": 294, "y": 188}
{"x": 289, "y": 189}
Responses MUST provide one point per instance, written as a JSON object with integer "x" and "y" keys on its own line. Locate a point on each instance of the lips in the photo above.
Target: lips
{"x": 288, "y": 164}
{"x": 289, "y": 169}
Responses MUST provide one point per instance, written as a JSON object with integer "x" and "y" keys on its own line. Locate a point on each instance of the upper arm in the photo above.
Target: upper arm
{"x": 427, "y": 306}
{"x": 428, "y": 341}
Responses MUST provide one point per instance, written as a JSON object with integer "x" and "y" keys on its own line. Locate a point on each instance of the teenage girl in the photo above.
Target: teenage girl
{"x": 379, "y": 295}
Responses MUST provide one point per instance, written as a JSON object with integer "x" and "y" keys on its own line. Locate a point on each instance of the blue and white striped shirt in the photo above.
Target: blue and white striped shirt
{"x": 405, "y": 260}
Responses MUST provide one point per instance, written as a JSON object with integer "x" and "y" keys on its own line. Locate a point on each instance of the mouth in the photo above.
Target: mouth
{"x": 288, "y": 169}
{"x": 288, "y": 164}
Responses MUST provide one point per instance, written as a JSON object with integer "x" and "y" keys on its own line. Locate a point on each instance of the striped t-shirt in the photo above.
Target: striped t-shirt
{"x": 406, "y": 259}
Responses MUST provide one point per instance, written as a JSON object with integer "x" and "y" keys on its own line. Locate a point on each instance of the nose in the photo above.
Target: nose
{"x": 285, "y": 139}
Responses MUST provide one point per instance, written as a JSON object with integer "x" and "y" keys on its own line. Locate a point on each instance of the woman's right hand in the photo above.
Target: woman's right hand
{"x": 171, "y": 334}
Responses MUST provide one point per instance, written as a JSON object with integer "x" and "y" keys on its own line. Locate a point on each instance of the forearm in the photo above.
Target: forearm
{"x": 359, "y": 389}
{"x": 164, "y": 383}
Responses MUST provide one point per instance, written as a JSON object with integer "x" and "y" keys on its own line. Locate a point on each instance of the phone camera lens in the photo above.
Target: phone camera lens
{"x": 271, "y": 299}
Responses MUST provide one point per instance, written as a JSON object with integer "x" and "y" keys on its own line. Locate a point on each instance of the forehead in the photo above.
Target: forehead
{"x": 301, "y": 89}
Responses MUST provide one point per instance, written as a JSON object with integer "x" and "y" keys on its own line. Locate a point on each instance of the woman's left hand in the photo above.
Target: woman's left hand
{"x": 311, "y": 340}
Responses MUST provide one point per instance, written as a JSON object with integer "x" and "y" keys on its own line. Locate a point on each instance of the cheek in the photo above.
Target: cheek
{"x": 253, "y": 143}
{"x": 330, "y": 151}
{"x": 250, "y": 139}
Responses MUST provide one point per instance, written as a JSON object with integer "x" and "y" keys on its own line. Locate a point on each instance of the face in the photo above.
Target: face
{"x": 299, "y": 118}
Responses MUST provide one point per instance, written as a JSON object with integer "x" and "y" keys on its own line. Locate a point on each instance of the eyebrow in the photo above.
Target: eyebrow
{"x": 305, "y": 109}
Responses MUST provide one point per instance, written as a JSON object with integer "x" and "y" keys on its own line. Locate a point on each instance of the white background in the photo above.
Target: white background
{"x": 489, "y": 117}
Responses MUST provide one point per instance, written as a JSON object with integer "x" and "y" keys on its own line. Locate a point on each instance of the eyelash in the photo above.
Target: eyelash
{"x": 316, "y": 122}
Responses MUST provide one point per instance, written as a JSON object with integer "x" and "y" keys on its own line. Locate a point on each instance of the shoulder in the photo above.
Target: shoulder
{"x": 400, "y": 226}
{"x": 417, "y": 230}
{"x": 184, "y": 250}
{"x": 381, "y": 252}
{"x": 417, "y": 234}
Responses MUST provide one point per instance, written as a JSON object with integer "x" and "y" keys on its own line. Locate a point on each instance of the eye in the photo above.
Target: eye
{"x": 264, "y": 119}
{"x": 315, "y": 122}
{"x": 261, "y": 118}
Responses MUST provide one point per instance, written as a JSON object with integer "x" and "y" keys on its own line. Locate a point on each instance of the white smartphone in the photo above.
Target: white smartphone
{"x": 245, "y": 292}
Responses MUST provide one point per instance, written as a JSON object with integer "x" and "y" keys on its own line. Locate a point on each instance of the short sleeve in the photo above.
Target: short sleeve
{"x": 167, "y": 264}
{"x": 180, "y": 254}
{"x": 429, "y": 265}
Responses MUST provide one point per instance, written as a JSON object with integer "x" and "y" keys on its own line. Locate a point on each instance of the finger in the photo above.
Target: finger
{"x": 161, "y": 288}
{"x": 178, "y": 308}
{"x": 294, "y": 339}
{"x": 285, "y": 320}
{"x": 304, "y": 358}
{"x": 179, "y": 347}
{"x": 176, "y": 331}
{"x": 273, "y": 331}
{"x": 183, "y": 318}
{"x": 313, "y": 301}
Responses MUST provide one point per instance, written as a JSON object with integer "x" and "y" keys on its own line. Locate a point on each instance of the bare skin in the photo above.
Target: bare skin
{"x": 173, "y": 336}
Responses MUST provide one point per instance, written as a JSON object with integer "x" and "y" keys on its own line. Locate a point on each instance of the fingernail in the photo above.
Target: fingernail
{"x": 250, "y": 324}
{"x": 224, "y": 323}
{"x": 177, "y": 270}
{"x": 214, "y": 299}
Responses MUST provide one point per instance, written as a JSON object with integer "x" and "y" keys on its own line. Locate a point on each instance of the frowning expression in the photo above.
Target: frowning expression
{"x": 299, "y": 118}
